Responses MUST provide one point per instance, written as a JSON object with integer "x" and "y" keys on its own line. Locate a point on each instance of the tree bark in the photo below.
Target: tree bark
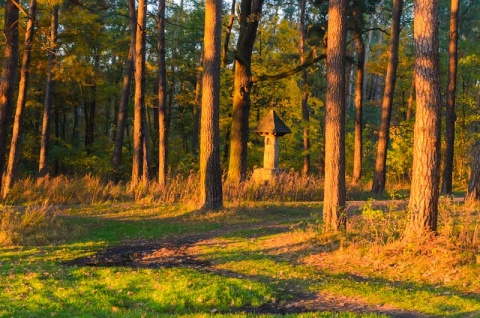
{"x": 14, "y": 155}
{"x": 334, "y": 214}
{"x": 379, "y": 177}
{"x": 358, "y": 149}
{"x": 48, "y": 103}
{"x": 9, "y": 77}
{"x": 423, "y": 203}
{"x": 139, "y": 98}
{"x": 211, "y": 196}
{"x": 162, "y": 99}
{"x": 250, "y": 14}
{"x": 450, "y": 115}
{"x": 127, "y": 78}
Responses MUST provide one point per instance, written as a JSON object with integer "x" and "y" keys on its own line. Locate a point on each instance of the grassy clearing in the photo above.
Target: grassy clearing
{"x": 261, "y": 258}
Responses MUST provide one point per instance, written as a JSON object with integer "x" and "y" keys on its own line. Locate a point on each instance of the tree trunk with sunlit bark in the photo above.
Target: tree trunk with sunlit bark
{"x": 334, "y": 214}
{"x": 424, "y": 191}
{"x": 211, "y": 196}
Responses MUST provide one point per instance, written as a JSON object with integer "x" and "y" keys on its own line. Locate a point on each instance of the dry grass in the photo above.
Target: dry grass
{"x": 373, "y": 247}
{"x": 33, "y": 225}
{"x": 90, "y": 189}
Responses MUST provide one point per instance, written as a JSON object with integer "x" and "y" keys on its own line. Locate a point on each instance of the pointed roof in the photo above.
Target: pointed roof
{"x": 272, "y": 124}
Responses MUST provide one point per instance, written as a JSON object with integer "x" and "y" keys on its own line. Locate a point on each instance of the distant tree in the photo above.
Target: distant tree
{"x": 250, "y": 14}
{"x": 127, "y": 78}
{"x": 379, "y": 177}
{"x": 139, "y": 163}
{"x": 305, "y": 108}
{"x": 9, "y": 76}
{"x": 334, "y": 189}
{"x": 357, "y": 17}
{"x": 211, "y": 196}
{"x": 450, "y": 115}
{"x": 48, "y": 102}
{"x": 197, "y": 107}
{"x": 162, "y": 98}
{"x": 424, "y": 190}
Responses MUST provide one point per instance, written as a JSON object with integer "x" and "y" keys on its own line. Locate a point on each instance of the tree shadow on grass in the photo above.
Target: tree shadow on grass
{"x": 170, "y": 247}
{"x": 294, "y": 295}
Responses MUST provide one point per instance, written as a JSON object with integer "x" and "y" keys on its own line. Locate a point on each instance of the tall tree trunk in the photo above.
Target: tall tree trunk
{"x": 250, "y": 14}
{"x": 9, "y": 77}
{"x": 379, "y": 177}
{"x": 14, "y": 155}
{"x": 423, "y": 204}
{"x": 197, "y": 108}
{"x": 127, "y": 78}
{"x": 334, "y": 214}
{"x": 162, "y": 99}
{"x": 473, "y": 191}
{"x": 210, "y": 170}
{"x": 139, "y": 98}
{"x": 358, "y": 149}
{"x": 450, "y": 116}
{"x": 48, "y": 103}
{"x": 305, "y": 108}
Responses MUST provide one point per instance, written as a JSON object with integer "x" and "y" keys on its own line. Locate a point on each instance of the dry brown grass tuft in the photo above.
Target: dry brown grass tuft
{"x": 373, "y": 246}
{"x": 33, "y": 225}
{"x": 288, "y": 187}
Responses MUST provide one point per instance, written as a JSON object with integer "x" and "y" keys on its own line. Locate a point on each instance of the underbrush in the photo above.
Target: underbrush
{"x": 32, "y": 226}
{"x": 289, "y": 186}
{"x": 373, "y": 246}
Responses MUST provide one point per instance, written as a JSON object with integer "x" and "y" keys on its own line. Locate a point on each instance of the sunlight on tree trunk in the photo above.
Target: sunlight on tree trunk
{"x": 423, "y": 203}
{"x": 211, "y": 196}
{"x": 251, "y": 11}
{"x": 358, "y": 149}
{"x": 9, "y": 76}
{"x": 334, "y": 193}
{"x": 15, "y": 147}
{"x": 379, "y": 177}
{"x": 450, "y": 115}
{"x": 139, "y": 99}
{"x": 42, "y": 161}
{"x": 162, "y": 99}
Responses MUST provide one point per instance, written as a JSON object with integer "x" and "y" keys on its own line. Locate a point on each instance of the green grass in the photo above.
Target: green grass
{"x": 258, "y": 258}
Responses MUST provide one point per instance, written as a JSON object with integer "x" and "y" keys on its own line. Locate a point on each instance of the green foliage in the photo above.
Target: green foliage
{"x": 400, "y": 156}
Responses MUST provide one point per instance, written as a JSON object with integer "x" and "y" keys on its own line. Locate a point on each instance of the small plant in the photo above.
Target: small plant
{"x": 374, "y": 218}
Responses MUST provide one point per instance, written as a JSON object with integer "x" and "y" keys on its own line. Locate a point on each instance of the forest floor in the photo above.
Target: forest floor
{"x": 262, "y": 259}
